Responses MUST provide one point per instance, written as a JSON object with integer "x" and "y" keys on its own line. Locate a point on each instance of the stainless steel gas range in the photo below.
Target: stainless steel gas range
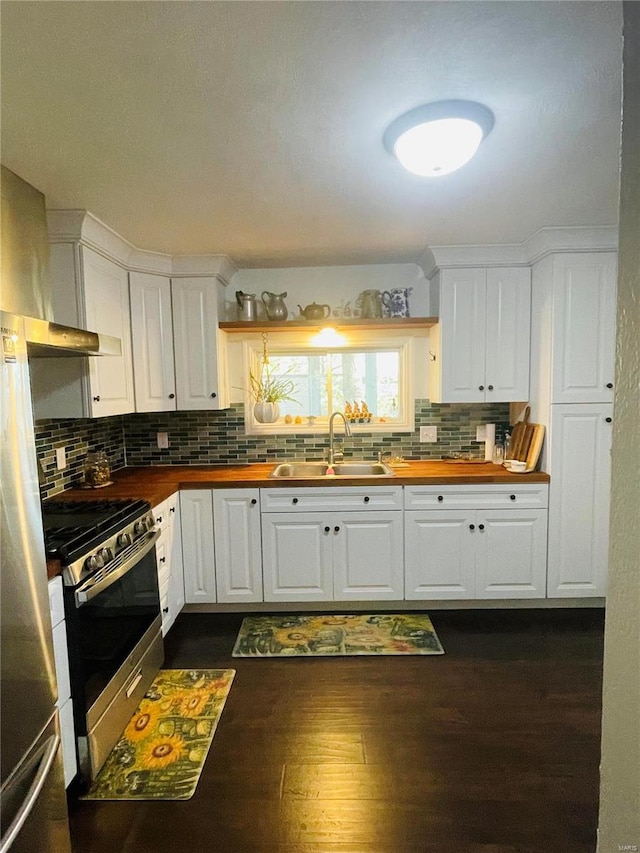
{"x": 112, "y": 608}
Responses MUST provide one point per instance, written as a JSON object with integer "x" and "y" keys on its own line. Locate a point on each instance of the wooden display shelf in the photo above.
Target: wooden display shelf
{"x": 337, "y": 323}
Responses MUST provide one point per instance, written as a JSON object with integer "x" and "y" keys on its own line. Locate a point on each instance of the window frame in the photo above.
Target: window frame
{"x": 295, "y": 343}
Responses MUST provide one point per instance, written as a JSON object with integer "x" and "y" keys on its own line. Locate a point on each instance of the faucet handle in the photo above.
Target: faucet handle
{"x": 338, "y": 456}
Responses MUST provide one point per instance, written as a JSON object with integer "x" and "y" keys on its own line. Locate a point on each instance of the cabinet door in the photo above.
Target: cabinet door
{"x": 198, "y": 344}
{"x": 439, "y": 554}
{"x": 462, "y": 335}
{"x": 511, "y": 553}
{"x": 584, "y": 320}
{"x": 508, "y": 334}
{"x": 579, "y": 496}
{"x": 152, "y": 341}
{"x": 236, "y": 523}
{"x": 196, "y": 511}
{"x": 367, "y": 555}
{"x": 106, "y": 297}
{"x": 296, "y": 557}
{"x": 176, "y": 580}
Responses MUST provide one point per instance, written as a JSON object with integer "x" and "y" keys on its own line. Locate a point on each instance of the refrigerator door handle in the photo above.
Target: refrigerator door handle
{"x": 49, "y": 751}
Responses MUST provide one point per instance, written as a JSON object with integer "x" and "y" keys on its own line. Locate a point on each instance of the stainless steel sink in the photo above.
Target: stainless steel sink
{"x": 318, "y": 470}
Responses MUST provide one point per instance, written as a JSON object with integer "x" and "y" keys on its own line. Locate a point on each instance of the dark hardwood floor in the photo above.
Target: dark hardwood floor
{"x": 491, "y": 748}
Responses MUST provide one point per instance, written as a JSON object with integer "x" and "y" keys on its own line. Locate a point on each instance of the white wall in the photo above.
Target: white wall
{"x": 619, "y": 822}
{"x": 330, "y": 285}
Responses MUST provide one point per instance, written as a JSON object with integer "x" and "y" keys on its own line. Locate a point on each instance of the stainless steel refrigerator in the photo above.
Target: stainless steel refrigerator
{"x": 33, "y": 807}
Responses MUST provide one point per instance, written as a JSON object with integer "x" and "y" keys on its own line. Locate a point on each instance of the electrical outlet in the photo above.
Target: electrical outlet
{"x": 481, "y": 433}
{"x": 163, "y": 440}
{"x": 428, "y": 433}
{"x": 61, "y": 458}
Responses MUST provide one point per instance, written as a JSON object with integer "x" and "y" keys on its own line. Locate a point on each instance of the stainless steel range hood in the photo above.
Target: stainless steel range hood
{"x": 50, "y": 340}
{"x": 25, "y": 288}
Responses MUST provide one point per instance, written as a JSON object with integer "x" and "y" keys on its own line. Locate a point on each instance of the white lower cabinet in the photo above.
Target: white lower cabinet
{"x": 355, "y": 544}
{"x": 64, "y": 703}
{"x": 579, "y": 499}
{"x": 238, "y": 544}
{"x": 296, "y": 557}
{"x": 169, "y": 559}
{"x": 196, "y": 508}
{"x": 340, "y": 551}
{"x": 367, "y": 556}
{"x": 439, "y": 558}
{"x": 484, "y": 553}
{"x": 176, "y": 578}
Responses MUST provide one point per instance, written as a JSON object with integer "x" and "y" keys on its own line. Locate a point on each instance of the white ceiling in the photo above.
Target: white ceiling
{"x": 254, "y": 129}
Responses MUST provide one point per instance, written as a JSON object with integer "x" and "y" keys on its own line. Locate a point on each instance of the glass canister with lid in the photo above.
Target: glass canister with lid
{"x": 96, "y": 470}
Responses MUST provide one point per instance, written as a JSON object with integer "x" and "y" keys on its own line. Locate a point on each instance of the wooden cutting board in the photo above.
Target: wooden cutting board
{"x": 535, "y": 446}
{"x": 523, "y": 448}
{"x": 518, "y": 436}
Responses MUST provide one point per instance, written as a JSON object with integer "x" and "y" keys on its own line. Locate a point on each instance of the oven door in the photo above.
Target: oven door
{"x": 115, "y": 648}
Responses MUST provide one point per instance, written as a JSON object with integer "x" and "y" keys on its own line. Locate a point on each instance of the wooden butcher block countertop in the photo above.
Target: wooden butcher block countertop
{"x": 156, "y": 483}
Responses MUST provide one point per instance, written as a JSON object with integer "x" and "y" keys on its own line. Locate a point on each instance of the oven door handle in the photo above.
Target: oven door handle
{"x": 93, "y": 587}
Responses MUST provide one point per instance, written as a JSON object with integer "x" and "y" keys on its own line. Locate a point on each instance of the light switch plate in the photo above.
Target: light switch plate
{"x": 163, "y": 440}
{"x": 61, "y": 458}
{"x": 428, "y": 433}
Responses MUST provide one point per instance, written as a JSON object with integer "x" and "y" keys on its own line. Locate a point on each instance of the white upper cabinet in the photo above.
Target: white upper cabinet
{"x": 93, "y": 294}
{"x": 584, "y": 321}
{"x": 480, "y": 345}
{"x": 200, "y": 347}
{"x": 106, "y": 295}
{"x": 152, "y": 339}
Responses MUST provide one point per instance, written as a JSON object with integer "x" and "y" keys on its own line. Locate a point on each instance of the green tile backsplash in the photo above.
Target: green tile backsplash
{"x": 215, "y": 438}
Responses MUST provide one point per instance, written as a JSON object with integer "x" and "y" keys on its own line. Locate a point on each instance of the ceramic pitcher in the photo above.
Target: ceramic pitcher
{"x": 370, "y": 303}
{"x": 396, "y": 301}
{"x": 274, "y": 304}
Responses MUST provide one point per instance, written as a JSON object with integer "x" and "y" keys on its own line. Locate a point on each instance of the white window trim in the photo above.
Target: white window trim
{"x": 361, "y": 341}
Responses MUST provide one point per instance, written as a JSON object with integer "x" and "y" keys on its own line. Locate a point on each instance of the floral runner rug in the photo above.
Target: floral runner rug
{"x": 163, "y": 749}
{"x": 325, "y": 635}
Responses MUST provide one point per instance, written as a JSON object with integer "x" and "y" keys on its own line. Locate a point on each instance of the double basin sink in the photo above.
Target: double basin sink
{"x": 319, "y": 470}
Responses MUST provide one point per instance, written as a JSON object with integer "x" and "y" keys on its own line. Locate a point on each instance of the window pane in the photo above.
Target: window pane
{"x": 328, "y": 381}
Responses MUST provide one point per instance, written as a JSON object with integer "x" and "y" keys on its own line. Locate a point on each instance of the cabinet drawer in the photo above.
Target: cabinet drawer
{"x": 338, "y": 499}
{"x": 476, "y": 496}
{"x": 161, "y": 514}
{"x": 56, "y": 601}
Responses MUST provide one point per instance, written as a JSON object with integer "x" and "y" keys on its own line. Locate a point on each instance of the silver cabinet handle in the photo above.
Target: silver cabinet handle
{"x": 44, "y": 766}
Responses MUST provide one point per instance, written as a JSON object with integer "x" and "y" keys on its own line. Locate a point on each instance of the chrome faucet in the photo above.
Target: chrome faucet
{"x": 347, "y": 431}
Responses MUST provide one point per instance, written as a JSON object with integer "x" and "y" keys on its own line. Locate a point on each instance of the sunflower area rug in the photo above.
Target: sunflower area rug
{"x": 162, "y": 751}
{"x": 326, "y": 635}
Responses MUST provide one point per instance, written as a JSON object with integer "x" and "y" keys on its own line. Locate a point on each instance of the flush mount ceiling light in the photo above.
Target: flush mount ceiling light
{"x": 436, "y": 139}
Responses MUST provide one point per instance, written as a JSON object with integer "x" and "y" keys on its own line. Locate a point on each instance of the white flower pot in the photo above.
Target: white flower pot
{"x": 266, "y": 413}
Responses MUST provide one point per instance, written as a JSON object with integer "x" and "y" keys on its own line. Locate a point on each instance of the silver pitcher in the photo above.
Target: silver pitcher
{"x": 274, "y": 304}
{"x": 247, "y": 305}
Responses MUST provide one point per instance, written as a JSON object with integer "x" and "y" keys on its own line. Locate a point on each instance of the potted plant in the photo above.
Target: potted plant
{"x": 268, "y": 390}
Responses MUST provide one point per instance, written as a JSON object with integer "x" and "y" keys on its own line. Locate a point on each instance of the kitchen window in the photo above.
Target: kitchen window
{"x": 371, "y": 379}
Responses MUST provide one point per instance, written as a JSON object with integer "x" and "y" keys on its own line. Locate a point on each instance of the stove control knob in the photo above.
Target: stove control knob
{"x": 140, "y": 527}
{"x": 123, "y": 540}
{"x": 106, "y": 554}
{"x": 93, "y": 563}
